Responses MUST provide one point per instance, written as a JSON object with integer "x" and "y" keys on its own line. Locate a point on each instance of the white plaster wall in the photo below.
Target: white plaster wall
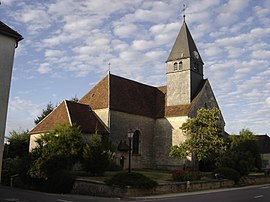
{"x": 103, "y": 114}
{"x": 266, "y": 157}
{"x": 32, "y": 142}
{"x": 7, "y": 48}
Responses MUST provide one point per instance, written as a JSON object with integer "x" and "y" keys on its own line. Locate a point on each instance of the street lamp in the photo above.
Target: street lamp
{"x": 130, "y": 135}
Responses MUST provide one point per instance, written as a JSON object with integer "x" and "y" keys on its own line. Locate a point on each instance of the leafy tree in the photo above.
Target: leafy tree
{"x": 243, "y": 153}
{"x": 97, "y": 155}
{"x": 74, "y": 99}
{"x": 60, "y": 149}
{"x": 49, "y": 108}
{"x": 18, "y": 145}
{"x": 204, "y": 136}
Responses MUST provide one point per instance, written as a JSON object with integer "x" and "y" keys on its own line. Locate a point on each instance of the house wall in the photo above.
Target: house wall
{"x": 32, "y": 142}
{"x": 103, "y": 115}
{"x": 120, "y": 124}
{"x": 167, "y": 134}
{"x": 265, "y": 160}
{"x": 7, "y": 49}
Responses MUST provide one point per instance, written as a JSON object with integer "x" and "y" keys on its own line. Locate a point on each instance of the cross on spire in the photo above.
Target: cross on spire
{"x": 184, "y": 11}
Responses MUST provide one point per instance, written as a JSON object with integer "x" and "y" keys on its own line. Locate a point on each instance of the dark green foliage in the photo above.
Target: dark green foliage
{"x": 57, "y": 150}
{"x": 181, "y": 175}
{"x": 135, "y": 180}
{"x": 10, "y": 167}
{"x": 49, "y": 108}
{"x": 18, "y": 145}
{"x": 97, "y": 155}
{"x": 204, "y": 136}
{"x": 243, "y": 153}
{"x": 60, "y": 182}
{"x": 227, "y": 173}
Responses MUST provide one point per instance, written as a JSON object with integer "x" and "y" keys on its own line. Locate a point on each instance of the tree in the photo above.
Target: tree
{"x": 49, "y": 108}
{"x": 243, "y": 153}
{"x": 57, "y": 150}
{"x": 204, "y": 136}
{"x": 97, "y": 155}
{"x": 18, "y": 145}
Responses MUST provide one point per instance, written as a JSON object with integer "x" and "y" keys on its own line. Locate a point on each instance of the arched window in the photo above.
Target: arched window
{"x": 136, "y": 142}
{"x": 180, "y": 65}
{"x": 175, "y": 66}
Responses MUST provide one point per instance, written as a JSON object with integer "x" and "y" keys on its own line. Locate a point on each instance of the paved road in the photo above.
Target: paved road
{"x": 8, "y": 194}
{"x": 246, "y": 194}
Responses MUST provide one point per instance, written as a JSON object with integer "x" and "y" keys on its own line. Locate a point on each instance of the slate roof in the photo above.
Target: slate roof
{"x": 184, "y": 45}
{"x": 71, "y": 113}
{"x": 6, "y": 30}
{"x": 264, "y": 143}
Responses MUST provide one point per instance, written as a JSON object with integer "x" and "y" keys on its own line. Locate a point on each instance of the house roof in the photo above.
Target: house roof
{"x": 184, "y": 45}
{"x": 264, "y": 143}
{"x": 121, "y": 94}
{"x": 6, "y": 30}
{"x": 71, "y": 113}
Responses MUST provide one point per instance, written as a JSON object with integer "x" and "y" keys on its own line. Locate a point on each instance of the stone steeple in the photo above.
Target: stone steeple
{"x": 184, "y": 68}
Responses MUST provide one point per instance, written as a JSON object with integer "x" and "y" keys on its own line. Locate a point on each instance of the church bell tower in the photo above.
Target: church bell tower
{"x": 184, "y": 69}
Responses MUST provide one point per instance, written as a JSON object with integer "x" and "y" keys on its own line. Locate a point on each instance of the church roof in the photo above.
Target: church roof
{"x": 71, "y": 113}
{"x": 133, "y": 97}
{"x": 6, "y": 30}
{"x": 184, "y": 45}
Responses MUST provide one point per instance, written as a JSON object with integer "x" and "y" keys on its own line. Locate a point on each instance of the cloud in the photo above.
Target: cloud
{"x": 44, "y": 68}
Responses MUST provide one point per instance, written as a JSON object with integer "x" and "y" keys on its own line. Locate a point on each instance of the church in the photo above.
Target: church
{"x": 116, "y": 105}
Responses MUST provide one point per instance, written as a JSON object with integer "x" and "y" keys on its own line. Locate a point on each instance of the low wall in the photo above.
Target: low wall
{"x": 93, "y": 188}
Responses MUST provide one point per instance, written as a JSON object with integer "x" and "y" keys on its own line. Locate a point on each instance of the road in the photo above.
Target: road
{"x": 245, "y": 194}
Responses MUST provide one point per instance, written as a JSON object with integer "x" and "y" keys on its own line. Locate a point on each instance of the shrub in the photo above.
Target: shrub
{"x": 181, "y": 175}
{"x": 135, "y": 180}
{"x": 228, "y": 173}
{"x": 61, "y": 182}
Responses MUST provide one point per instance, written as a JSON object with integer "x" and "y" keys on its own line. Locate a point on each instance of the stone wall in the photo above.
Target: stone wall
{"x": 120, "y": 124}
{"x": 167, "y": 134}
{"x": 100, "y": 189}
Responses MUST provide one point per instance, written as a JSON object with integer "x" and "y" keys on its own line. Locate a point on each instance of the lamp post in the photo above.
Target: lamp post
{"x": 130, "y": 135}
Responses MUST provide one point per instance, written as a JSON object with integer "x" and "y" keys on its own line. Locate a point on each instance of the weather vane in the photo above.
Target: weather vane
{"x": 184, "y": 11}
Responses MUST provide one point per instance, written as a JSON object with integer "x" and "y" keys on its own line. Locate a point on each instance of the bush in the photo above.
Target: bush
{"x": 181, "y": 175}
{"x": 10, "y": 167}
{"x": 61, "y": 182}
{"x": 135, "y": 180}
{"x": 227, "y": 173}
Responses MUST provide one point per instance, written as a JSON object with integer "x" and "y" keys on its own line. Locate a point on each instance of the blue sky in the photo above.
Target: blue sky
{"x": 68, "y": 45}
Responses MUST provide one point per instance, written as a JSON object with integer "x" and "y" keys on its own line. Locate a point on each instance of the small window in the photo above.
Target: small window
{"x": 175, "y": 66}
{"x": 180, "y": 65}
{"x": 136, "y": 142}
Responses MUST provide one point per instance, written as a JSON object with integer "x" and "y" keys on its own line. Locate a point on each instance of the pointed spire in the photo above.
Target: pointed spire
{"x": 184, "y": 45}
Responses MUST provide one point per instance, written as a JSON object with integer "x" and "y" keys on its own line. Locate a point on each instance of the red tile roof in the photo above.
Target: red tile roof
{"x": 133, "y": 97}
{"x": 71, "y": 113}
{"x": 124, "y": 95}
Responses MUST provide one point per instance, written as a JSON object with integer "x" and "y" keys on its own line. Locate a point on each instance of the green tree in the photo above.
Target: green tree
{"x": 243, "y": 153}
{"x": 18, "y": 145}
{"x": 57, "y": 150}
{"x": 97, "y": 155}
{"x": 49, "y": 108}
{"x": 204, "y": 136}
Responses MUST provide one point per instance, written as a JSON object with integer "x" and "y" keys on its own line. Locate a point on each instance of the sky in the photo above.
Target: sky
{"x": 68, "y": 45}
